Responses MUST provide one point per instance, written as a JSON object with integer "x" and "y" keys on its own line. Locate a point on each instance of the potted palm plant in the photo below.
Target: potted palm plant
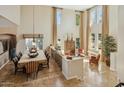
{"x": 109, "y": 45}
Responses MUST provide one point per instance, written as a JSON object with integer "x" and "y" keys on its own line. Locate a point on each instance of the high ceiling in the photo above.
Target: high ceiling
{"x": 5, "y": 22}
{"x": 75, "y": 7}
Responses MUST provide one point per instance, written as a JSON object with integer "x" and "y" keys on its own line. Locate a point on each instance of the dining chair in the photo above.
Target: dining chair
{"x": 19, "y": 55}
{"x": 46, "y": 63}
{"x": 32, "y": 68}
{"x": 48, "y": 57}
{"x": 17, "y": 66}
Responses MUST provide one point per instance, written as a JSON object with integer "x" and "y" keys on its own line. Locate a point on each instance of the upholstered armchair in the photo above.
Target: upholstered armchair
{"x": 94, "y": 59}
{"x": 80, "y": 50}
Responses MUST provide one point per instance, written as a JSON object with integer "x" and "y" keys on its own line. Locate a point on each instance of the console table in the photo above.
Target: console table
{"x": 72, "y": 68}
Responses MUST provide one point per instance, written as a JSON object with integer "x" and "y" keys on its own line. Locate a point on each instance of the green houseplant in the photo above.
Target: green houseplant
{"x": 109, "y": 45}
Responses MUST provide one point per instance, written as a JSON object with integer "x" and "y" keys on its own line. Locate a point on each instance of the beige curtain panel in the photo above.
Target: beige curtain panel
{"x": 54, "y": 37}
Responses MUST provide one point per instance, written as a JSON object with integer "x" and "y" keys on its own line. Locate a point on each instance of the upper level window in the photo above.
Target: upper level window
{"x": 58, "y": 16}
{"x": 99, "y": 14}
{"x": 93, "y": 16}
{"x": 96, "y": 15}
{"x": 77, "y": 19}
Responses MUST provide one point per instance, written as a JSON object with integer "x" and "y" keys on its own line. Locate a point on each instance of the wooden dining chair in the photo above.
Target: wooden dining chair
{"x": 46, "y": 63}
{"x": 32, "y": 68}
{"x": 19, "y": 55}
{"x": 17, "y": 66}
{"x": 48, "y": 57}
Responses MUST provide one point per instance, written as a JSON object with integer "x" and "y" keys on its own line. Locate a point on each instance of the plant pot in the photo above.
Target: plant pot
{"x": 113, "y": 61}
{"x": 107, "y": 60}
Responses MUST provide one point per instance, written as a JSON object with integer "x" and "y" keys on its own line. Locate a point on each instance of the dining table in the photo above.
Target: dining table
{"x": 41, "y": 58}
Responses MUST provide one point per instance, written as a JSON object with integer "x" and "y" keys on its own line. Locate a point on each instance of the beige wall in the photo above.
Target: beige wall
{"x": 11, "y": 12}
{"x": 42, "y": 22}
{"x": 8, "y": 30}
{"x": 9, "y": 18}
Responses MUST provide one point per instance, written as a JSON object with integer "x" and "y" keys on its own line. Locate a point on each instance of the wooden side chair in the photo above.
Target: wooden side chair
{"x": 46, "y": 63}
{"x": 32, "y": 68}
{"x": 17, "y": 66}
{"x": 19, "y": 55}
{"x": 48, "y": 57}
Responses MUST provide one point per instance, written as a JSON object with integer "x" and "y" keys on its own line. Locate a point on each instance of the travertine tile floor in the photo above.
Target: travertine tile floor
{"x": 94, "y": 76}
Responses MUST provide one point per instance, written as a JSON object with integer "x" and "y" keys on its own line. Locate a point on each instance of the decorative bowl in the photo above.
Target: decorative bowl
{"x": 33, "y": 55}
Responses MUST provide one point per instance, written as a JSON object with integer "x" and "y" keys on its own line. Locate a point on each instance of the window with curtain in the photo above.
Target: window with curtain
{"x": 93, "y": 16}
{"x": 77, "y": 19}
{"x": 96, "y": 15}
{"x": 96, "y": 27}
{"x": 59, "y": 21}
{"x": 99, "y": 14}
{"x": 38, "y": 41}
{"x": 59, "y": 16}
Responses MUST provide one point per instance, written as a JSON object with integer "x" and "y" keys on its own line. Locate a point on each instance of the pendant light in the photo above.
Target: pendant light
{"x": 33, "y": 43}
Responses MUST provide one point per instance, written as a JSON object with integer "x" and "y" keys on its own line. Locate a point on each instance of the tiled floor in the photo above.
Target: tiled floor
{"x": 94, "y": 76}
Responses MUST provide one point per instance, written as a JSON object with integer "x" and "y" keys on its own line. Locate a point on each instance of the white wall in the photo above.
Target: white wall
{"x": 113, "y": 29}
{"x": 11, "y": 12}
{"x": 120, "y": 34}
{"x": 116, "y": 29}
{"x": 7, "y": 27}
{"x": 69, "y": 23}
{"x": 113, "y": 20}
{"x": 42, "y": 22}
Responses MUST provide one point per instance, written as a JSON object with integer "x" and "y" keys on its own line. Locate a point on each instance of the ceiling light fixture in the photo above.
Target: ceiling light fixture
{"x": 33, "y": 43}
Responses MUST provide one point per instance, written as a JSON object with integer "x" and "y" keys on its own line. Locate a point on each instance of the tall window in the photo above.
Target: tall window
{"x": 96, "y": 28}
{"x": 96, "y": 15}
{"x": 38, "y": 41}
{"x": 77, "y": 19}
{"x": 99, "y": 14}
{"x": 59, "y": 20}
{"x": 93, "y": 16}
{"x": 59, "y": 16}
